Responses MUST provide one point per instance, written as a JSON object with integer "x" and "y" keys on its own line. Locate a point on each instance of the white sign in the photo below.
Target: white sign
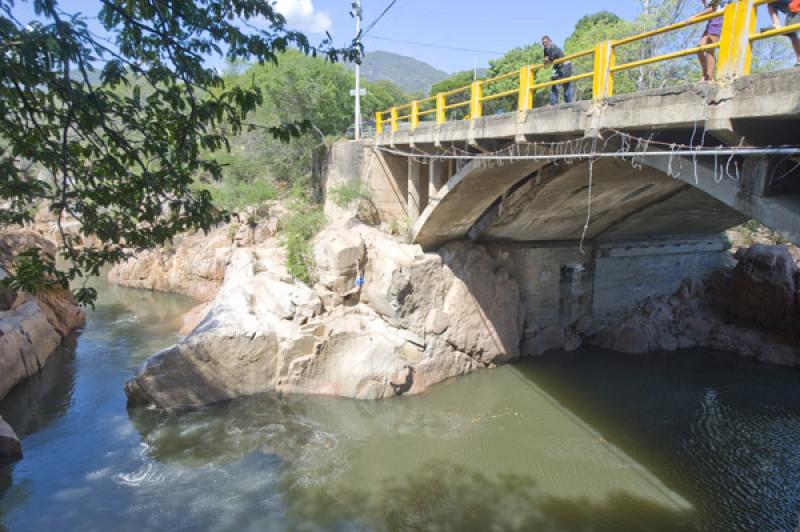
{"x": 353, "y": 92}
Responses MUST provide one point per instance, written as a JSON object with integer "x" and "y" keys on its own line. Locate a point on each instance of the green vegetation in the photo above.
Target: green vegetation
{"x": 233, "y": 195}
{"x": 347, "y": 193}
{"x": 124, "y": 150}
{"x": 297, "y": 88}
{"x": 297, "y": 231}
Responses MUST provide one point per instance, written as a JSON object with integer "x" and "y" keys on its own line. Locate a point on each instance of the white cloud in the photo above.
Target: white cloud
{"x": 301, "y": 15}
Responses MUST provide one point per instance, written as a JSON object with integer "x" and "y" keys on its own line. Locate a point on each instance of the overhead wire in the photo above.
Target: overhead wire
{"x": 375, "y": 22}
{"x": 438, "y": 46}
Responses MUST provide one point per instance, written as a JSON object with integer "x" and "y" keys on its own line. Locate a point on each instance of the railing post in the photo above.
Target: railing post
{"x": 414, "y": 114}
{"x": 475, "y": 100}
{"x": 525, "y": 89}
{"x": 603, "y": 80}
{"x": 735, "y": 48}
{"x": 394, "y": 119}
{"x": 441, "y": 112}
{"x": 378, "y": 123}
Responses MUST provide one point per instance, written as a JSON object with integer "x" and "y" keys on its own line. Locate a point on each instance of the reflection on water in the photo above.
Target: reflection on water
{"x": 591, "y": 441}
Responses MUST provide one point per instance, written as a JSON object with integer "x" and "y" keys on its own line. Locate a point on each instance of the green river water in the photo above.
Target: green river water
{"x": 585, "y": 441}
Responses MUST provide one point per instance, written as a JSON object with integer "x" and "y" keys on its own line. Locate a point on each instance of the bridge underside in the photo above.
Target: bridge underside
{"x": 537, "y": 201}
{"x": 553, "y": 203}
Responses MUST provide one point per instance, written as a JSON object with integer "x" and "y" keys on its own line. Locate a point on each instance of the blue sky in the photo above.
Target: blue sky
{"x": 488, "y": 26}
{"x": 492, "y": 26}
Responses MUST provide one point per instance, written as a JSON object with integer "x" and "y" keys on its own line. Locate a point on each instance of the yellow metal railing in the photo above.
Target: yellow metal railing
{"x": 735, "y": 56}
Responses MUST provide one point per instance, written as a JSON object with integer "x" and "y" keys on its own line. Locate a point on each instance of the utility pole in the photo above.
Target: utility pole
{"x": 357, "y": 14}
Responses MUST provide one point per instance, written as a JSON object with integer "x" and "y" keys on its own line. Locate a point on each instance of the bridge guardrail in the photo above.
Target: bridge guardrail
{"x": 735, "y": 58}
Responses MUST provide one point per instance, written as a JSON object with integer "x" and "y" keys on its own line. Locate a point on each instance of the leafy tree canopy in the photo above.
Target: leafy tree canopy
{"x": 121, "y": 162}
{"x": 457, "y": 80}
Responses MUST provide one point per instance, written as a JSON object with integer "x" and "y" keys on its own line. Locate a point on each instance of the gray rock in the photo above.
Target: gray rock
{"x": 10, "y": 446}
{"x": 761, "y": 288}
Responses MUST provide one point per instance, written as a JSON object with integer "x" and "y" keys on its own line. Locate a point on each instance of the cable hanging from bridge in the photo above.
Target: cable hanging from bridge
{"x": 706, "y": 152}
{"x": 630, "y": 147}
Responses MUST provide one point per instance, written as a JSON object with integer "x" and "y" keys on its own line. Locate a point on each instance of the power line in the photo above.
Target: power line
{"x": 440, "y": 46}
{"x": 374, "y": 22}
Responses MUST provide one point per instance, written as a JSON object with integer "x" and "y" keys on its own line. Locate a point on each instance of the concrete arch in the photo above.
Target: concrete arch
{"x": 534, "y": 201}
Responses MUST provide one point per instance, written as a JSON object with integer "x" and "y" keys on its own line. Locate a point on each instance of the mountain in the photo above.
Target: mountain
{"x": 410, "y": 74}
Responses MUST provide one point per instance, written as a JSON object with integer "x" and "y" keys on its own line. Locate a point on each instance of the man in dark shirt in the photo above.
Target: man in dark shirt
{"x": 560, "y": 71}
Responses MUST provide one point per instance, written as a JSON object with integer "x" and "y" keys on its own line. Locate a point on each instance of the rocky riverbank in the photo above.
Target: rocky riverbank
{"x": 422, "y": 318}
{"x": 194, "y": 265}
{"x": 751, "y": 308}
{"x": 31, "y": 327}
{"x": 419, "y": 319}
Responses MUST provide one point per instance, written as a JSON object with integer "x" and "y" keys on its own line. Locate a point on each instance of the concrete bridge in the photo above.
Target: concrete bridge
{"x": 596, "y": 205}
{"x": 640, "y": 195}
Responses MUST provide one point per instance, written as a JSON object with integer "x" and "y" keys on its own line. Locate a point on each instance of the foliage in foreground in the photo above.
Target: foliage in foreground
{"x": 123, "y": 162}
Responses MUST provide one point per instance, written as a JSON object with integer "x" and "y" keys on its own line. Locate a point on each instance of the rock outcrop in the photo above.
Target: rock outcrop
{"x": 194, "y": 265}
{"x": 10, "y": 447}
{"x": 763, "y": 288}
{"x": 31, "y": 328}
{"x": 749, "y": 309}
{"x": 420, "y": 319}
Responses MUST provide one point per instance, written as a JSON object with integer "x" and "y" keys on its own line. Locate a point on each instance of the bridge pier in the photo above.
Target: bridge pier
{"x": 418, "y": 175}
{"x": 564, "y": 290}
{"x": 439, "y": 174}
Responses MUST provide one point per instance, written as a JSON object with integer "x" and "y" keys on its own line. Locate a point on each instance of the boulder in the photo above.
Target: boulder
{"x": 27, "y": 339}
{"x": 336, "y": 255}
{"x": 10, "y": 447}
{"x": 761, "y": 288}
{"x": 31, "y": 327}
{"x": 367, "y": 213}
{"x": 7, "y": 296}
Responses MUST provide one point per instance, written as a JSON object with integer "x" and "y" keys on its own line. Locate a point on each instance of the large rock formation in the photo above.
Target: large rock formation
{"x": 31, "y": 327}
{"x": 194, "y": 265}
{"x": 749, "y": 308}
{"x": 420, "y": 319}
{"x": 763, "y": 288}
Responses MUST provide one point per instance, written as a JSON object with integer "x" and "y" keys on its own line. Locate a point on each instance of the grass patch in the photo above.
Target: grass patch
{"x": 234, "y": 195}
{"x": 345, "y": 194}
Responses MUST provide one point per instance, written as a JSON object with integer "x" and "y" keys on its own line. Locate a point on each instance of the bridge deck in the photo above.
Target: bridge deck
{"x": 763, "y": 108}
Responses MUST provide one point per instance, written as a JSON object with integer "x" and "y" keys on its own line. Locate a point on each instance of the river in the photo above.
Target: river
{"x": 585, "y": 441}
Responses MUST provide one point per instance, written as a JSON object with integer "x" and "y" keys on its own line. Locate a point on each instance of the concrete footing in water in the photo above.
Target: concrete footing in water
{"x": 567, "y": 292}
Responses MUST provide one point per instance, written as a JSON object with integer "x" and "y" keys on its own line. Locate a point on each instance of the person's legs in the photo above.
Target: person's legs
{"x": 703, "y": 59}
{"x": 569, "y": 92}
{"x": 792, "y": 19}
{"x": 708, "y": 61}
{"x": 554, "y": 95}
{"x": 796, "y": 45}
{"x": 774, "y": 15}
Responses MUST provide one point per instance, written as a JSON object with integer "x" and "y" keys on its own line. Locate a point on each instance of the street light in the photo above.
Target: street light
{"x": 357, "y": 13}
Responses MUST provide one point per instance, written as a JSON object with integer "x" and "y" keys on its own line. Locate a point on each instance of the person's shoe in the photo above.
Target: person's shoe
{"x": 767, "y": 28}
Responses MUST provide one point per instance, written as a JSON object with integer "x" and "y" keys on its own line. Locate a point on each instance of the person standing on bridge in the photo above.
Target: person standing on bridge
{"x": 708, "y": 61}
{"x": 560, "y": 71}
{"x": 792, "y": 11}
